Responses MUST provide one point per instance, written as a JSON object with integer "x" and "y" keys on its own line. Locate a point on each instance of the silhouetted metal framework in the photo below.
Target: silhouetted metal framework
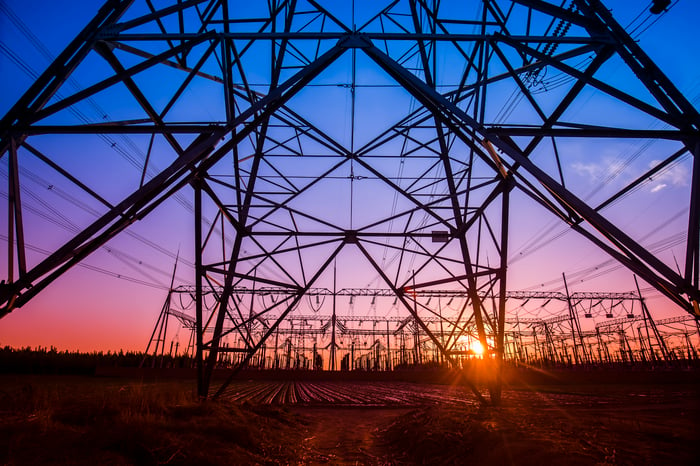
{"x": 598, "y": 328}
{"x": 264, "y": 159}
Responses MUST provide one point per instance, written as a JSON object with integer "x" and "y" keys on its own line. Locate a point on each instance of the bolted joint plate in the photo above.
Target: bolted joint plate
{"x": 351, "y": 237}
{"x": 354, "y": 40}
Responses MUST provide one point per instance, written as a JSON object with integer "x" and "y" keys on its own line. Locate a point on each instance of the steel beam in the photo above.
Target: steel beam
{"x": 646, "y": 264}
{"x": 196, "y": 159}
{"x": 254, "y": 111}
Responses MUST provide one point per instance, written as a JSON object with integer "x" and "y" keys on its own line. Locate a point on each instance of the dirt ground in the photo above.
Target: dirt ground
{"x": 593, "y": 425}
{"x": 82, "y": 420}
{"x": 346, "y": 436}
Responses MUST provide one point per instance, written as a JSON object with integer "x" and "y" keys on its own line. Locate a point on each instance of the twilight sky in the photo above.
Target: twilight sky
{"x": 112, "y": 300}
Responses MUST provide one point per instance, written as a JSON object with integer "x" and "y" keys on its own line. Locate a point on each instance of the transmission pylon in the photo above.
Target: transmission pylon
{"x": 391, "y": 139}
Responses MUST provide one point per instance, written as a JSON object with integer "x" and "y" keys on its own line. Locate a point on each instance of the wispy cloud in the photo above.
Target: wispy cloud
{"x": 591, "y": 170}
{"x": 676, "y": 175}
{"x": 598, "y": 171}
{"x": 604, "y": 170}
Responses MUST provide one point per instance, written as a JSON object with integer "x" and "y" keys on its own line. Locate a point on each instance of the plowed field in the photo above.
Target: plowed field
{"x": 101, "y": 420}
{"x": 347, "y": 394}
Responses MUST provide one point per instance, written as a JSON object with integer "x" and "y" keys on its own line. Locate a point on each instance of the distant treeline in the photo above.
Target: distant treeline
{"x": 51, "y": 361}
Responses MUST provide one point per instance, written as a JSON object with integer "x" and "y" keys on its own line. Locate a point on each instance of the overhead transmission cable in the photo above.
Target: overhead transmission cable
{"x": 27, "y": 69}
{"x": 53, "y": 215}
{"x": 95, "y": 268}
{"x": 636, "y": 30}
{"x": 638, "y": 26}
{"x": 537, "y": 242}
{"x": 103, "y": 114}
{"x": 26, "y": 172}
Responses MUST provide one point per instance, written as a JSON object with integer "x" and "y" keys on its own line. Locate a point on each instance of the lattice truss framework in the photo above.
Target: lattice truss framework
{"x": 583, "y": 328}
{"x": 314, "y": 139}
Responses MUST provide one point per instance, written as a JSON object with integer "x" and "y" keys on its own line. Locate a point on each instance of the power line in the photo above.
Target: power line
{"x": 95, "y": 268}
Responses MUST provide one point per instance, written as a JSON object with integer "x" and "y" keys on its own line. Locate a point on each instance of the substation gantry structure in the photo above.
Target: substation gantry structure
{"x": 375, "y": 137}
{"x": 577, "y": 329}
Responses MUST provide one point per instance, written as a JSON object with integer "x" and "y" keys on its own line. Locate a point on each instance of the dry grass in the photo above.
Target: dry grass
{"x": 468, "y": 435}
{"x": 533, "y": 428}
{"x": 88, "y": 421}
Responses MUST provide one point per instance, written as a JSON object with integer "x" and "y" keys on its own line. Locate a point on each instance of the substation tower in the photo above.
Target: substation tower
{"x": 326, "y": 144}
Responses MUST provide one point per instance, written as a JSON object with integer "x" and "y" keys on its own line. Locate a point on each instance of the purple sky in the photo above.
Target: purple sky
{"x": 113, "y": 300}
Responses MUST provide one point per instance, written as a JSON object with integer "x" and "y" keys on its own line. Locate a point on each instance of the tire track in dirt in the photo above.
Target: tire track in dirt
{"x": 346, "y": 436}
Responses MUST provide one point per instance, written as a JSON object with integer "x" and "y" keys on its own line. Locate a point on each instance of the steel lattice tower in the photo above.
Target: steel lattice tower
{"x": 314, "y": 140}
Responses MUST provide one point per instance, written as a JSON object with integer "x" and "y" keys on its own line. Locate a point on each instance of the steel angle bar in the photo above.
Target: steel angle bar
{"x": 676, "y": 104}
{"x": 296, "y": 298}
{"x": 444, "y": 293}
{"x": 136, "y": 92}
{"x": 676, "y": 320}
{"x": 416, "y": 317}
{"x": 46, "y": 86}
{"x": 643, "y": 178}
{"x": 653, "y": 270}
{"x": 154, "y": 15}
{"x": 122, "y": 75}
{"x": 558, "y": 12}
{"x": 178, "y": 66}
{"x": 119, "y": 127}
{"x": 335, "y": 36}
{"x": 673, "y": 120}
{"x": 591, "y": 132}
{"x": 672, "y": 100}
{"x": 194, "y": 161}
{"x": 620, "y": 321}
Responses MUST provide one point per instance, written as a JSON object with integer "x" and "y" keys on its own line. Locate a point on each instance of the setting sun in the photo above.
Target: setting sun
{"x": 477, "y": 348}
